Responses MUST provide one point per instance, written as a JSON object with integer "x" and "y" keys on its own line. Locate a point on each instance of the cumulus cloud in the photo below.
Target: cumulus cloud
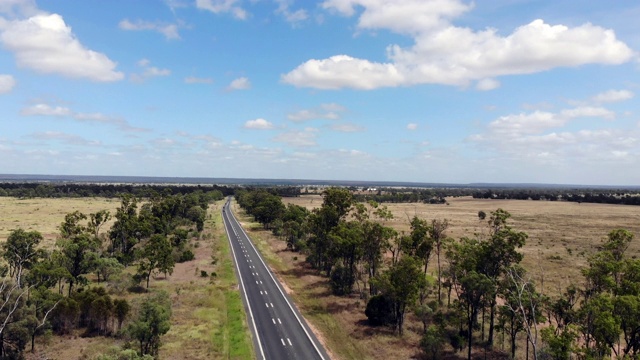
{"x": 170, "y": 31}
{"x": 259, "y": 124}
{"x": 46, "y": 44}
{"x": 329, "y": 111}
{"x": 197, "y": 80}
{"x": 443, "y": 53}
{"x": 7, "y": 82}
{"x": 412, "y": 126}
{"x": 546, "y": 137}
{"x": 61, "y": 112}
{"x": 241, "y": 83}
{"x": 223, "y": 6}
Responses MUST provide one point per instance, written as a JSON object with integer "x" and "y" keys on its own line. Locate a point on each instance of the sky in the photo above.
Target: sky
{"x": 445, "y": 91}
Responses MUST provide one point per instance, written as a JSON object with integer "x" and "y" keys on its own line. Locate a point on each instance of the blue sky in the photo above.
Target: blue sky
{"x": 391, "y": 90}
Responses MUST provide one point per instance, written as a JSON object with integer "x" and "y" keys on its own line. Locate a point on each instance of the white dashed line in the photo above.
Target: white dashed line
{"x": 283, "y": 344}
{"x": 279, "y": 322}
{"x": 289, "y": 342}
{"x": 274, "y": 321}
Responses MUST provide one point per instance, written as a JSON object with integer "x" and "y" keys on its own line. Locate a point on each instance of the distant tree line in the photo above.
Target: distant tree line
{"x": 624, "y": 197}
{"x": 79, "y": 284}
{"x": 477, "y": 296}
{"x": 65, "y": 190}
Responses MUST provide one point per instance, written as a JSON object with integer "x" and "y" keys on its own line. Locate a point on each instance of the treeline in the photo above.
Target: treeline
{"x": 80, "y": 284}
{"x": 468, "y": 293}
{"x": 579, "y": 196}
{"x": 428, "y": 196}
{"x": 65, "y": 190}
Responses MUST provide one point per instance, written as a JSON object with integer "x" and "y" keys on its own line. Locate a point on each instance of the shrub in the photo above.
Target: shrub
{"x": 379, "y": 311}
{"x": 186, "y": 255}
{"x": 341, "y": 281}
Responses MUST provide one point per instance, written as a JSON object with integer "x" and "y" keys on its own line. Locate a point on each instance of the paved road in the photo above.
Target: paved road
{"x": 279, "y": 330}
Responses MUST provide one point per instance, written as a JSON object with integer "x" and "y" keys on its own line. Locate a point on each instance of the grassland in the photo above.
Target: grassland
{"x": 208, "y": 318}
{"x": 561, "y": 237}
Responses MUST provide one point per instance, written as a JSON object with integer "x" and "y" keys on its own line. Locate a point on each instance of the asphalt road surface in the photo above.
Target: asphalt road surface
{"x": 279, "y": 330}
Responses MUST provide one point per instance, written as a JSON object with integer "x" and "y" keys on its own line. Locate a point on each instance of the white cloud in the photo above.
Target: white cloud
{"x": 223, "y": 6}
{"x": 329, "y": 111}
{"x": 70, "y": 139}
{"x": 241, "y": 83}
{"x": 197, "y": 80}
{"x": 60, "y": 111}
{"x": 613, "y": 96}
{"x": 341, "y": 71}
{"x": 148, "y": 71}
{"x": 46, "y": 44}
{"x": 46, "y": 110}
{"x": 412, "y": 126}
{"x": 293, "y": 17}
{"x": 544, "y": 137}
{"x": 445, "y": 54}
{"x": 260, "y": 124}
{"x": 170, "y": 31}
{"x": 487, "y": 84}
{"x": 305, "y": 138}
{"x": 7, "y": 83}
{"x": 347, "y": 128}
{"x": 19, "y": 8}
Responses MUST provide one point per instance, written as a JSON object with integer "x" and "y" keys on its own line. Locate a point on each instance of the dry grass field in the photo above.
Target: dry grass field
{"x": 45, "y": 215}
{"x": 208, "y": 319}
{"x": 561, "y": 237}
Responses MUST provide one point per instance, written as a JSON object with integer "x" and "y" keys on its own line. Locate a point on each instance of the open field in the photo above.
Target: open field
{"x": 561, "y": 237}
{"x": 208, "y": 319}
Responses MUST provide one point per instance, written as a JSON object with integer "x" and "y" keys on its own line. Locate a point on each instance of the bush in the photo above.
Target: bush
{"x": 341, "y": 281}
{"x": 186, "y": 255}
{"x": 433, "y": 341}
{"x": 379, "y": 311}
{"x": 203, "y": 273}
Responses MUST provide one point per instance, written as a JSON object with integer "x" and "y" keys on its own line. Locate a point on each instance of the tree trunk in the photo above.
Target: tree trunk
{"x": 492, "y": 315}
{"x": 439, "y": 279}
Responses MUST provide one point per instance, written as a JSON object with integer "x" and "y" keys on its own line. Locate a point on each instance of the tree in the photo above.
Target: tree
{"x": 475, "y": 289}
{"x": 437, "y": 234}
{"x": 96, "y": 220}
{"x": 13, "y": 335}
{"x": 401, "y": 283}
{"x": 105, "y": 267}
{"x": 432, "y": 342}
{"x": 155, "y": 255}
{"x": 21, "y": 253}
{"x": 497, "y": 254}
{"x": 152, "y": 322}
{"x": 524, "y": 306}
{"x": 78, "y": 249}
{"x": 41, "y": 303}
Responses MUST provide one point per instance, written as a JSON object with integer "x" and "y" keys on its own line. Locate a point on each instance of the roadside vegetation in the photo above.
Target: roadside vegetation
{"x": 463, "y": 297}
{"x": 150, "y": 278}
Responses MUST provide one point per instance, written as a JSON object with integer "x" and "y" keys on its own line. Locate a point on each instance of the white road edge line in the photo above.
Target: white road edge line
{"x": 281, "y": 292}
{"x": 244, "y": 291}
